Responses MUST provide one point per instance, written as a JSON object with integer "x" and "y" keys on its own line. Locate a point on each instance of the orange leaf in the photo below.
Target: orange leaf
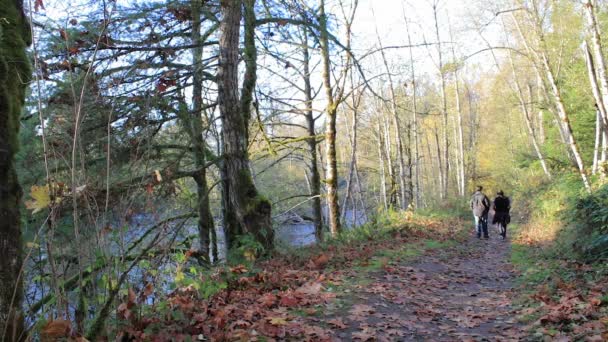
{"x": 131, "y": 298}
{"x": 320, "y": 261}
{"x": 268, "y": 300}
{"x": 149, "y": 289}
{"x": 55, "y": 329}
{"x": 289, "y": 301}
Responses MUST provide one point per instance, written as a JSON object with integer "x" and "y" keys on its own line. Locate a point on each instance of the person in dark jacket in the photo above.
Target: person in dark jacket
{"x": 480, "y": 205}
{"x": 501, "y": 206}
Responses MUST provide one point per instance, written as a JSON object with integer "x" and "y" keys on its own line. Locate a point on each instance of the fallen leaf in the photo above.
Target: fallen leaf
{"x": 288, "y": 301}
{"x": 277, "y": 321}
{"x": 320, "y": 261}
{"x": 337, "y": 322}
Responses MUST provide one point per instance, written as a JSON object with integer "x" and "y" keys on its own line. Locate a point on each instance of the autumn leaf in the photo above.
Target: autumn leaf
{"x": 74, "y": 50}
{"x": 239, "y": 269}
{"x": 31, "y": 245}
{"x": 268, "y": 300}
{"x": 131, "y": 298}
{"x": 337, "y": 322}
{"x": 123, "y": 311}
{"x": 148, "y": 289}
{"x": 157, "y": 177}
{"x": 38, "y": 4}
{"x": 310, "y": 289}
{"x": 289, "y": 301}
{"x": 277, "y": 321}
{"x": 56, "y": 329}
{"x": 41, "y": 198}
{"x": 320, "y": 261}
{"x": 249, "y": 254}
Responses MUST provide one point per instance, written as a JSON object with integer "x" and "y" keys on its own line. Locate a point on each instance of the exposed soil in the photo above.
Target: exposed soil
{"x": 458, "y": 293}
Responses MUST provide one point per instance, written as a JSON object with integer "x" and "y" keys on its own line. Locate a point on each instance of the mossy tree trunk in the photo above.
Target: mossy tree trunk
{"x": 331, "y": 178}
{"x": 252, "y": 211}
{"x": 14, "y": 75}
{"x": 195, "y": 130}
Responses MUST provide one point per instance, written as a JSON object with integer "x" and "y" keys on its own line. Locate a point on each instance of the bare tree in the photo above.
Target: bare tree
{"x": 397, "y": 126}
{"x": 460, "y": 134}
{"x": 315, "y": 177}
{"x": 444, "y": 170}
{"x": 415, "y": 133}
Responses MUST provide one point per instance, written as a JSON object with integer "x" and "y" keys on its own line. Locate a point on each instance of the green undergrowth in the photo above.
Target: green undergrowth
{"x": 560, "y": 249}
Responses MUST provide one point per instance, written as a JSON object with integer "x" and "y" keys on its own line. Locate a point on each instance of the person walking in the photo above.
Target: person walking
{"x": 501, "y": 206}
{"x": 480, "y": 205}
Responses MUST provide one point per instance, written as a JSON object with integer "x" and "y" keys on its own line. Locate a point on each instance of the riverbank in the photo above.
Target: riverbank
{"x": 289, "y": 295}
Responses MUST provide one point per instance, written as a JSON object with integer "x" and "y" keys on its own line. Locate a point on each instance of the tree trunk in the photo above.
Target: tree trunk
{"x": 540, "y": 116}
{"x": 435, "y": 181}
{"x": 388, "y": 157}
{"x": 352, "y": 137}
{"x": 331, "y": 178}
{"x": 397, "y": 126}
{"x": 195, "y": 126}
{"x": 418, "y": 184}
{"x": 460, "y": 132}
{"x": 382, "y": 167}
{"x": 603, "y": 153}
{"x": 438, "y": 146}
{"x": 561, "y": 110}
{"x": 14, "y": 75}
{"x": 598, "y": 141}
{"x": 252, "y": 211}
{"x": 600, "y": 61}
{"x": 445, "y": 171}
{"x": 315, "y": 177}
{"x": 595, "y": 89}
{"x": 473, "y": 126}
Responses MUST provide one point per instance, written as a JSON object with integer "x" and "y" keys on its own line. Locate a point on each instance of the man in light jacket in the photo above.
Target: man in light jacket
{"x": 480, "y": 205}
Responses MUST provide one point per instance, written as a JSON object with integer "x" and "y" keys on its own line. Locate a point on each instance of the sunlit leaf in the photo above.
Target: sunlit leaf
{"x": 41, "y": 198}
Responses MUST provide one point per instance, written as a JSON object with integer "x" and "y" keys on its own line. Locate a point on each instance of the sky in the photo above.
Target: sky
{"x": 387, "y": 17}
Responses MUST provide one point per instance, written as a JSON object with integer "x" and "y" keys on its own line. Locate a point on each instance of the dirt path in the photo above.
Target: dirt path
{"x": 458, "y": 293}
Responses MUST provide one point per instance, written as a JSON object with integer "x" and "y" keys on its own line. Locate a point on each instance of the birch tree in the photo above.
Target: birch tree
{"x": 542, "y": 56}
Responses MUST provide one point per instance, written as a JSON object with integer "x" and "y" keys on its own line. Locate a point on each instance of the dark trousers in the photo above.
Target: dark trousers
{"x": 481, "y": 225}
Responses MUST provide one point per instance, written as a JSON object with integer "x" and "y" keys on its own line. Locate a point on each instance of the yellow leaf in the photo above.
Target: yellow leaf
{"x": 179, "y": 276}
{"x": 157, "y": 177}
{"x": 41, "y": 198}
{"x": 31, "y": 245}
{"x": 278, "y": 321}
{"x": 249, "y": 255}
